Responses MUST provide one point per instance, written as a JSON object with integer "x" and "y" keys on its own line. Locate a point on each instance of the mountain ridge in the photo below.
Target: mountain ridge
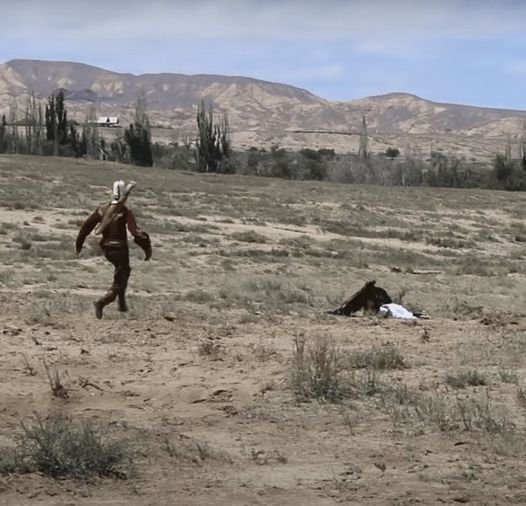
{"x": 264, "y": 113}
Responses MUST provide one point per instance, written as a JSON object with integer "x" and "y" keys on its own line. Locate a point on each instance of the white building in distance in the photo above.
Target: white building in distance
{"x": 108, "y": 121}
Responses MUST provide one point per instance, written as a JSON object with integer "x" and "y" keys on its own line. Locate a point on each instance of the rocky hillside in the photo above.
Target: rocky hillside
{"x": 262, "y": 113}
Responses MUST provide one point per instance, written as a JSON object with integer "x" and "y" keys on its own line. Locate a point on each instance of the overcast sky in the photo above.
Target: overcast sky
{"x": 459, "y": 51}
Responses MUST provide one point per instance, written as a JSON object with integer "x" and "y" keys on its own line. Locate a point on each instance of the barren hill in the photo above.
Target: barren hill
{"x": 262, "y": 113}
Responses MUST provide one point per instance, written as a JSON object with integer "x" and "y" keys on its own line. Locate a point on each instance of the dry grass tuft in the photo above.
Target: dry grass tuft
{"x": 463, "y": 379}
{"x": 438, "y": 411}
{"x": 316, "y": 371}
{"x": 55, "y": 383}
{"x": 380, "y": 358}
{"x": 195, "y": 450}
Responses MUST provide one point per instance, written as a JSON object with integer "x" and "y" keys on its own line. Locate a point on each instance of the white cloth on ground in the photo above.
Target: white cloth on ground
{"x": 396, "y": 311}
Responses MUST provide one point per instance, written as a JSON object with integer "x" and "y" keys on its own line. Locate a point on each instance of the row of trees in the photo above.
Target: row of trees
{"x": 214, "y": 154}
{"x": 50, "y": 132}
{"x": 410, "y": 168}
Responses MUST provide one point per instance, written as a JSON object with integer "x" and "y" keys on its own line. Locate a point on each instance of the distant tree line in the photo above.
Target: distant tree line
{"x": 49, "y": 131}
{"x": 213, "y": 153}
{"x": 410, "y": 168}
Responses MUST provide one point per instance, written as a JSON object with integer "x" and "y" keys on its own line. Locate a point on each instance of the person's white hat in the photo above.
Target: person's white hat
{"x": 118, "y": 190}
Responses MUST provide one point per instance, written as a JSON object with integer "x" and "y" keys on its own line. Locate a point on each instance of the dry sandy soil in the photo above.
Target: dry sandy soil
{"x": 200, "y": 379}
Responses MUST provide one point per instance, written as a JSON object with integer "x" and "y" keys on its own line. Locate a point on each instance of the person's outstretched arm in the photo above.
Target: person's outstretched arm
{"x": 86, "y": 228}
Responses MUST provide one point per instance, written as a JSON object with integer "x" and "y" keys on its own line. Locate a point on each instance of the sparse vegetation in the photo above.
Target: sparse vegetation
{"x": 320, "y": 370}
{"x": 55, "y": 382}
{"x": 508, "y": 376}
{"x": 199, "y": 296}
{"x": 264, "y": 351}
{"x": 437, "y": 411}
{"x": 379, "y": 358}
{"x": 210, "y": 347}
{"x": 463, "y": 379}
{"x": 249, "y": 236}
{"x": 196, "y": 451}
{"x": 200, "y": 369}
{"x": 366, "y": 384}
{"x": 58, "y": 446}
{"x": 316, "y": 371}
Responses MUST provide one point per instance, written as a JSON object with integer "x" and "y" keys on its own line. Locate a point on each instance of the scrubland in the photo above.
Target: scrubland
{"x": 227, "y": 382}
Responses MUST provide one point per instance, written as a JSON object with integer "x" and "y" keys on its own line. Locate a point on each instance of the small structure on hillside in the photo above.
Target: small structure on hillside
{"x": 108, "y": 121}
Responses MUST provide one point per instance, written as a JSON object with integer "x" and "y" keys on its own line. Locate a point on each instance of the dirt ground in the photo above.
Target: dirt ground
{"x": 197, "y": 377}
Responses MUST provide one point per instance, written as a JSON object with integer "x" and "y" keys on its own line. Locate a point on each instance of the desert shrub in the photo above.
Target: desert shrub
{"x": 199, "y": 296}
{"x": 400, "y": 394}
{"x": 59, "y": 446}
{"x": 195, "y": 451}
{"x": 468, "y": 265}
{"x": 508, "y": 376}
{"x": 210, "y": 347}
{"x": 439, "y": 412}
{"x": 55, "y": 383}
{"x": 463, "y": 379}
{"x": 521, "y": 396}
{"x": 367, "y": 384}
{"x": 378, "y": 358}
{"x": 446, "y": 241}
{"x": 497, "y": 318}
{"x": 249, "y": 236}
{"x": 47, "y": 306}
{"x": 23, "y": 241}
{"x": 478, "y": 413}
{"x": 316, "y": 371}
{"x": 263, "y": 351}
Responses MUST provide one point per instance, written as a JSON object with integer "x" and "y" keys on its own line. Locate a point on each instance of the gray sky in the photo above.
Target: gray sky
{"x": 461, "y": 51}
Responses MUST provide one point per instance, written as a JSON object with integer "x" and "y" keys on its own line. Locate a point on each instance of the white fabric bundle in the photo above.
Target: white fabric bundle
{"x": 396, "y": 311}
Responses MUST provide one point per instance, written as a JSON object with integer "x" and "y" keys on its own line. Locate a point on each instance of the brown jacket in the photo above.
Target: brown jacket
{"x": 115, "y": 233}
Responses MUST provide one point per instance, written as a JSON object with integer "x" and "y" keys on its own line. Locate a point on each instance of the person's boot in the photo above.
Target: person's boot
{"x": 123, "y": 307}
{"x": 99, "y": 306}
{"x": 108, "y": 298}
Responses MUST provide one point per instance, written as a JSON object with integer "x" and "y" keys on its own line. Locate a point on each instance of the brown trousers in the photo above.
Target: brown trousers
{"x": 119, "y": 257}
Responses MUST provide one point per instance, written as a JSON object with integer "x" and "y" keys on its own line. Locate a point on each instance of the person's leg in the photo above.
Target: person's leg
{"x": 123, "y": 275}
{"x": 123, "y": 306}
{"x": 120, "y": 259}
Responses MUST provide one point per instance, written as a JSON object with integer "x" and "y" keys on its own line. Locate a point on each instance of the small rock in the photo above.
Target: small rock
{"x": 381, "y": 466}
{"x": 230, "y": 410}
